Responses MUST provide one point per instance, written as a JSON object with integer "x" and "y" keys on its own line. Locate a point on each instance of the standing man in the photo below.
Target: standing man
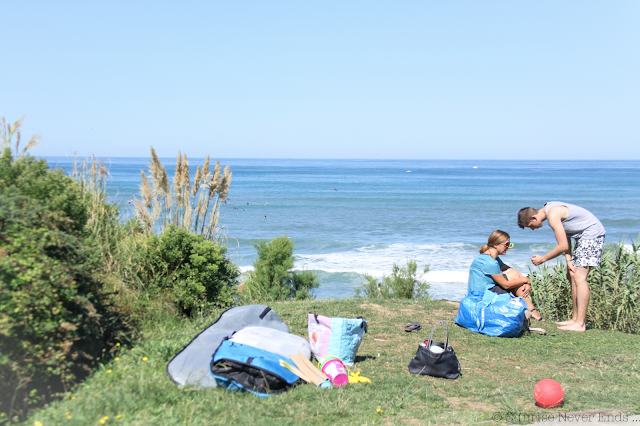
{"x": 568, "y": 220}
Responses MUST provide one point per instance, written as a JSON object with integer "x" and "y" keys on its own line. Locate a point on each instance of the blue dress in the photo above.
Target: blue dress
{"x": 482, "y": 267}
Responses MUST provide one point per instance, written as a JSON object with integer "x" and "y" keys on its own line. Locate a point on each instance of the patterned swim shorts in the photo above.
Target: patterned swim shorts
{"x": 587, "y": 252}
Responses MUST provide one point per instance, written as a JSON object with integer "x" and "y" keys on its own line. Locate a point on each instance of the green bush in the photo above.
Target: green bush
{"x": 615, "y": 291}
{"x": 191, "y": 270}
{"x": 153, "y": 276}
{"x": 273, "y": 279}
{"x": 403, "y": 283}
{"x": 55, "y": 322}
{"x": 52, "y": 188}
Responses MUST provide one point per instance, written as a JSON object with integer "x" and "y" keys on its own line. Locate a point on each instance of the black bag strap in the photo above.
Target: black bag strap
{"x": 265, "y": 312}
{"x": 363, "y": 325}
{"x": 446, "y": 344}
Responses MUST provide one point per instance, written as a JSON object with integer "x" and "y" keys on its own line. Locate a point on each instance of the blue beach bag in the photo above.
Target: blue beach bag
{"x": 498, "y": 315}
{"x": 244, "y": 368}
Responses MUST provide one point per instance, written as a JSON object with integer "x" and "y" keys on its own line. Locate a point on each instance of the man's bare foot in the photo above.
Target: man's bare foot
{"x": 568, "y": 322}
{"x": 573, "y": 327}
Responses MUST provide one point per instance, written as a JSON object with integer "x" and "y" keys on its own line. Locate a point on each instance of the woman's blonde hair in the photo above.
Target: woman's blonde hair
{"x": 496, "y": 237}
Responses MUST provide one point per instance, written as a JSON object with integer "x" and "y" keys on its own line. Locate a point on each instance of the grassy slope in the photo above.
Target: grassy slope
{"x": 597, "y": 369}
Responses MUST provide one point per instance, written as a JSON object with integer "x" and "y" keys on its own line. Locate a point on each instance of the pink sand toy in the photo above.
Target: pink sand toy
{"x": 334, "y": 369}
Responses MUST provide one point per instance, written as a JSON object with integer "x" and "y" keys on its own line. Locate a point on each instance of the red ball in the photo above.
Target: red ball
{"x": 548, "y": 393}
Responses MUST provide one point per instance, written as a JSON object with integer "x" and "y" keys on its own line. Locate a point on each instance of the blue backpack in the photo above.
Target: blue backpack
{"x": 244, "y": 368}
{"x": 498, "y": 315}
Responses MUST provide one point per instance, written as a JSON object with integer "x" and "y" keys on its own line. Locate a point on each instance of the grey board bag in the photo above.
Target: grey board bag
{"x": 192, "y": 365}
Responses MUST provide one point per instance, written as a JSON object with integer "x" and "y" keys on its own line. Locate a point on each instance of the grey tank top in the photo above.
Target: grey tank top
{"x": 581, "y": 223}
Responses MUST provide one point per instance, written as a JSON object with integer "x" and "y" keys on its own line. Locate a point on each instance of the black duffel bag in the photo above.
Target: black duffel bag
{"x": 436, "y": 359}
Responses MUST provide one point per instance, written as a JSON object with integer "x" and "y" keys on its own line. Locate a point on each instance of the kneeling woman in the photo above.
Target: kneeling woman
{"x": 488, "y": 272}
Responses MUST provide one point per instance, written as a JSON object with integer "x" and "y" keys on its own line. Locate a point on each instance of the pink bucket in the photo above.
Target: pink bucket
{"x": 334, "y": 369}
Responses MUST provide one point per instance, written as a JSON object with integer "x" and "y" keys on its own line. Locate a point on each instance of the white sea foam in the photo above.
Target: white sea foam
{"x": 448, "y": 291}
{"x": 379, "y": 258}
{"x": 448, "y": 276}
{"x": 436, "y": 276}
{"x": 245, "y": 269}
{"x": 447, "y": 262}
{"x": 448, "y": 265}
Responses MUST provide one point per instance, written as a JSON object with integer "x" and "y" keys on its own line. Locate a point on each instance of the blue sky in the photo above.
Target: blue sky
{"x": 326, "y": 79}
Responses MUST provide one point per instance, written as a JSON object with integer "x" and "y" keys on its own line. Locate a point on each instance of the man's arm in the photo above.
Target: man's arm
{"x": 554, "y": 217}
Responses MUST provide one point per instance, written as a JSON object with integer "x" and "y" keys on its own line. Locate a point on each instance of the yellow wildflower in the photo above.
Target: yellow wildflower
{"x": 67, "y": 413}
{"x": 109, "y": 371}
{"x": 68, "y": 417}
{"x": 116, "y": 359}
{"x": 145, "y": 359}
{"x": 118, "y": 344}
{"x": 133, "y": 349}
{"x": 73, "y": 397}
{"x": 118, "y": 416}
{"x": 125, "y": 368}
{"x": 103, "y": 420}
{"x": 379, "y": 410}
{"x": 37, "y": 423}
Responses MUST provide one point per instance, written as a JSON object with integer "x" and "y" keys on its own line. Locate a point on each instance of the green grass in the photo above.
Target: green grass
{"x": 598, "y": 370}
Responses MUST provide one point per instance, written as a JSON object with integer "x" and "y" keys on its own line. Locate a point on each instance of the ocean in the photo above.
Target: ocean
{"x": 349, "y": 217}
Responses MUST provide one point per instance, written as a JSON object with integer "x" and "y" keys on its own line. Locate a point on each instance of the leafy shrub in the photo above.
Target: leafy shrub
{"x": 32, "y": 178}
{"x": 403, "y": 283}
{"x": 273, "y": 279}
{"x": 54, "y": 319}
{"x": 615, "y": 291}
{"x": 190, "y": 269}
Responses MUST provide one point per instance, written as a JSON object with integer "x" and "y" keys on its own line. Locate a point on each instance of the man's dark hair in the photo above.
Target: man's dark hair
{"x": 525, "y": 215}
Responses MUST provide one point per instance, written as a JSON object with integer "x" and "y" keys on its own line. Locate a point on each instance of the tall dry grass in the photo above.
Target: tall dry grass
{"x": 615, "y": 290}
{"x": 103, "y": 222}
{"x": 7, "y": 131}
{"x": 122, "y": 244}
{"x": 191, "y": 206}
